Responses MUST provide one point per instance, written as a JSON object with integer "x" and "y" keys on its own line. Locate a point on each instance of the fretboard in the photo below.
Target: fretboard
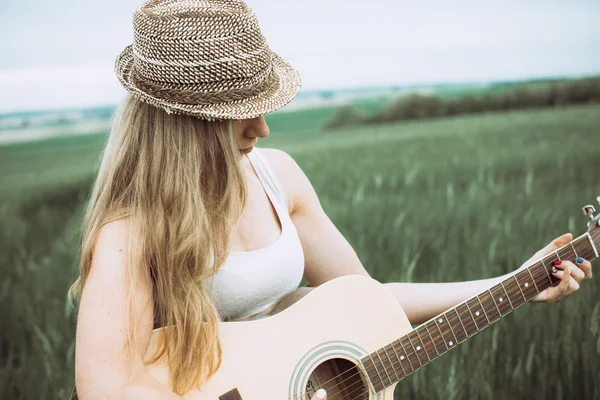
{"x": 439, "y": 335}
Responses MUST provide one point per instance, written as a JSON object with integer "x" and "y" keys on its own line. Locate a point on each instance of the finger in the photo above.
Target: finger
{"x": 559, "y": 274}
{"x": 567, "y": 285}
{"x": 585, "y": 266}
{"x": 576, "y": 272}
{"x": 563, "y": 287}
{"x": 320, "y": 395}
{"x": 553, "y": 245}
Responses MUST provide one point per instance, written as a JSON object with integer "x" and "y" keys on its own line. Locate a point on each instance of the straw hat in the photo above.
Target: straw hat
{"x": 205, "y": 58}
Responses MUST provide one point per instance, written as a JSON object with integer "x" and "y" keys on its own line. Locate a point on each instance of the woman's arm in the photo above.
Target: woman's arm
{"x": 101, "y": 360}
{"x": 328, "y": 254}
{"x": 423, "y": 301}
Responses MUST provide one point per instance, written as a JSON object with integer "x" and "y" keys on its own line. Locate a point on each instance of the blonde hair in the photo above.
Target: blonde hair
{"x": 180, "y": 182}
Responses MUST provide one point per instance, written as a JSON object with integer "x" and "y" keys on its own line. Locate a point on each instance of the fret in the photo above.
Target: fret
{"x": 507, "y": 295}
{"x": 574, "y": 251}
{"x": 546, "y": 270}
{"x": 384, "y": 368}
{"x": 473, "y": 315}
{"x": 407, "y": 355}
{"x": 422, "y": 345}
{"x": 459, "y": 331}
{"x": 519, "y": 286}
{"x": 491, "y": 309}
{"x": 467, "y": 319}
{"x": 451, "y": 330}
{"x": 441, "y": 334}
{"x": 515, "y": 293}
{"x": 541, "y": 275}
{"x": 526, "y": 284}
{"x": 483, "y": 309}
{"x": 496, "y": 304}
{"x": 588, "y": 251}
{"x": 377, "y": 386}
{"x": 419, "y": 350}
{"x": 403, "y": 357}
{"x": 447, "y": 333}
{"x": 461, "y": 322}
{"x": 362, "y": 365}
{"x": 533, "y": 279}
{"x": 500, "y": 300}
{"x": 592, "y": 245}
{"x": 566, "y": 253}
{"x": 400, "y": 359}
{"x": 376, "y": 370}
{"x": 429, "y": 346}
{"x": 432, "y": 339}
{"x": 392, "y": 364}
{"x": 585, "y": 246}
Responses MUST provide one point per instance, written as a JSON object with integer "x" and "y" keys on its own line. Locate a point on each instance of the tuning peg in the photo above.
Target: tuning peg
{"x": 589, "y": 210}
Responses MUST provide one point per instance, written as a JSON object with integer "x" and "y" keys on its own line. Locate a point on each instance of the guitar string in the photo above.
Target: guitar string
{"x": 334, "y": 395}
{"x": 339, "y": 375}
{"x": 593, "y": 235}
{"x": 351, "y": 393}
{"x": 367, "y": 391}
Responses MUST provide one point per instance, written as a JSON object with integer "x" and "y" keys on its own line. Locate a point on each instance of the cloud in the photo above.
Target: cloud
{"x": 59, "y": 87}
{"x": 61, "y": 56}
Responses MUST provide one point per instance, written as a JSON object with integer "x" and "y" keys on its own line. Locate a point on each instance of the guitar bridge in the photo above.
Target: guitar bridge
{"x": 231, "y": 395}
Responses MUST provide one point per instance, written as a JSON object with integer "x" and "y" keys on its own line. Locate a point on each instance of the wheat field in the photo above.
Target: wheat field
{"x": 425, "y": 201}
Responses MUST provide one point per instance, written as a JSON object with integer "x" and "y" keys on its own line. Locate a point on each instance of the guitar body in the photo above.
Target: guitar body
{"x": 316, "y": 341}
{"x": 290, "y": 355}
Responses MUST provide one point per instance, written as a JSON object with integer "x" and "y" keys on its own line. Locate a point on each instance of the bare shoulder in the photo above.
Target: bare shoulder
{"x": 114, "y": 233}
{"x": 287, "y": 171}
{"x": 295, "y": 182}
{"x": 111, "y": 245}
{"x": 278, "y": 158}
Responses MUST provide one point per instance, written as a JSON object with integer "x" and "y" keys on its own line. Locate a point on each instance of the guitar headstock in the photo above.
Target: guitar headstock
{"x": 594, "y": 223}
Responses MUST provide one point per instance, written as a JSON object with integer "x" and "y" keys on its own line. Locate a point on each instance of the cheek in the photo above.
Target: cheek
{"x": 238, "y": 133}
{"x": 239, "y": 128}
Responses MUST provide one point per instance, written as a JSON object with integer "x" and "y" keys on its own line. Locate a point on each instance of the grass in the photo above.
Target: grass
{"x": 441, "y": 200}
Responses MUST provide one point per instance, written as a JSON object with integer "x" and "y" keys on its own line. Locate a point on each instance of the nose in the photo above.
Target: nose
{"x": 258, "y": 128}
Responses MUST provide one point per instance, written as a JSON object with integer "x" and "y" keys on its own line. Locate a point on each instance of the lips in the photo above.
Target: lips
{"x": 246, "y": 151}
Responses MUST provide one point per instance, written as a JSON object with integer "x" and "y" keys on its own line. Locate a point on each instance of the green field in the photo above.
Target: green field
{"x": 440, "y": 200}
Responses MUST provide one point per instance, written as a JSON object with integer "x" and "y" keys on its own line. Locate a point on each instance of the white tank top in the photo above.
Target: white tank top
{"x": 251, "y": 281}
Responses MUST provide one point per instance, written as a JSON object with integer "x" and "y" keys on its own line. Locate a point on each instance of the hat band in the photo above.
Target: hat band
{"x": 194, "y": 97}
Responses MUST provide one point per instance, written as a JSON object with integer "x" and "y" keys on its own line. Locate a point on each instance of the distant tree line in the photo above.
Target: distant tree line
{"x": 500, "y": 98}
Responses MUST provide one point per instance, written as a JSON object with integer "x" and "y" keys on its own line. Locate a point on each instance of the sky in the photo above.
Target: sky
{"x": 57, "y": 54}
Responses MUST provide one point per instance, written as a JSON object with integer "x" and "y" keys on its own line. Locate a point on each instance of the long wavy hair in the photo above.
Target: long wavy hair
{"x": 179, "y": 182}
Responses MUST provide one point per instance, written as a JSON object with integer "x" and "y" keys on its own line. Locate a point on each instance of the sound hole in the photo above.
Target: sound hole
{"x": 340, "y": 378}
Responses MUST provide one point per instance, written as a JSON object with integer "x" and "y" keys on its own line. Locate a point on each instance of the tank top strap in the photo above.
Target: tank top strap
{"x": 266, "y": 173}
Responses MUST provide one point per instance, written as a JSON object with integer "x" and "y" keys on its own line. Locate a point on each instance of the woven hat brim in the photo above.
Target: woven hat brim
{"x": 288, "y": 84}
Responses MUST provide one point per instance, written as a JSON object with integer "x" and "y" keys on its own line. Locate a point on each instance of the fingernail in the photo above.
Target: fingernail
{"x": 579, "y": 260}
{"x": 557, "y": 262}
{"x": 554, "y": 270}
{"x": 320, "y": 394}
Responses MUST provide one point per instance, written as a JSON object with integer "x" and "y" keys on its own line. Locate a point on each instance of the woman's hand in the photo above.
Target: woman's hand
{"x": 570, "y": 274}
{"x": 320, "y": 395}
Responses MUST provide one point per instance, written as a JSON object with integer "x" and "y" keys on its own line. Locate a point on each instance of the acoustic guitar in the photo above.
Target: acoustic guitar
{"x": 350, "y": 336}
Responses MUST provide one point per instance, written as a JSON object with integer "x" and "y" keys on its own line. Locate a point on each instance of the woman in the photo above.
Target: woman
{"x": 171, "y": 229}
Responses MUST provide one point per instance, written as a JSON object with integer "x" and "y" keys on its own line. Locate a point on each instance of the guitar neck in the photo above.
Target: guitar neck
{"x": 394, "y": 361}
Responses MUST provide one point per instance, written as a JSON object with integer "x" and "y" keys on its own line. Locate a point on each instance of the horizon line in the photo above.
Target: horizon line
{"x": 416, "y": 85}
